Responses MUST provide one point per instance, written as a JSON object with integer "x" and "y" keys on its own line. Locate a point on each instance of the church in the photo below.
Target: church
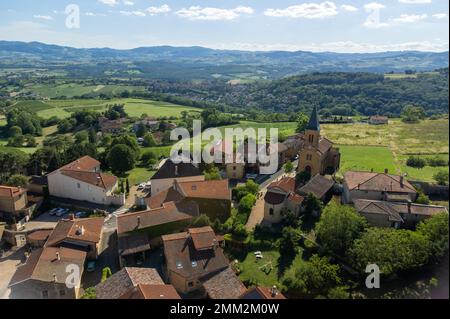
{"x": 317, "y": 154}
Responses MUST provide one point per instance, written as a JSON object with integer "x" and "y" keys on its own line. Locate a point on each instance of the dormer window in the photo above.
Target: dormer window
{"x": 194, "y": 264}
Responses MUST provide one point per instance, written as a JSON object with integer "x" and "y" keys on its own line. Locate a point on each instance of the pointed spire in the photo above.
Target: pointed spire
{"x": 313, "y": 124}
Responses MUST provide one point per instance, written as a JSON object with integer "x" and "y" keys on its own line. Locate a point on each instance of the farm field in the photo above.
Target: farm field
{"x": 134, "y": 107}
{"x": 75, "y": 89}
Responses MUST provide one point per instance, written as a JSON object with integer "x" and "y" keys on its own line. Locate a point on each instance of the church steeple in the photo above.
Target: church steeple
{"x": 314, "y": 124}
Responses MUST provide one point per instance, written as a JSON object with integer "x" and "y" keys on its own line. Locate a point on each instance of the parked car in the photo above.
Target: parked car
{"x": 91, "y": 265}
{"x": 80, "y": 214}
{"x": 52, "y": 212}
{"x": 251, "y": 176}
{"x": 61, "y": 212}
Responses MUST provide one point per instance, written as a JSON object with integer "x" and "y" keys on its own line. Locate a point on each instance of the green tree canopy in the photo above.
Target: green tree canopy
{"x": 121, "y": 158}
{"x": 338, "y": 227}
{"x": 436, "y": 230}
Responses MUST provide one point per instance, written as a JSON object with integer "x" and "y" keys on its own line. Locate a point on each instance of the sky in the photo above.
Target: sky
{"x": 312, "y": 25}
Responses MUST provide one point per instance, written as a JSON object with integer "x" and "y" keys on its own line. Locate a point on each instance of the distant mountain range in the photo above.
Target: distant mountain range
{"x": 200, "y": 62}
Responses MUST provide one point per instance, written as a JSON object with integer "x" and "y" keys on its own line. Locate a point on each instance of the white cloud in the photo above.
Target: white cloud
{"x": 42, "y": 17}
{"x": 437, "y": 45}
{"x": 415, "y": 1}
{"x": 136, "y": 13}
{"x": 305, "y": 10}
{"x": 349, "y": 8}
{"x": 93, "y": 14}
{"x": 440, "y": 15}
{"x": 155, "y": 10}
{"x": 410, "y": 18}
{"x": 109, "y": 2}
{"x": 128, "y": 3}
{"x": 213, "y": 14}
{"x": 373, "y": 6}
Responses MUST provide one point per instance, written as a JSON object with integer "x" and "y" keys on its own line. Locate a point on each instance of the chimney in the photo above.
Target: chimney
{"x": 274, "y": 291}
{"x": 58, "y": 257}
{"x": 55, "y": 279}
{"x": 359, "y": 185}
{"x": 401, "y": 181}
{"x": 176, "y": 170}
{"x": 139, "y": 221}
{"x": 409, "y": 206}
{"x": 386, "y": 171}
{"x": 99, "y": 180}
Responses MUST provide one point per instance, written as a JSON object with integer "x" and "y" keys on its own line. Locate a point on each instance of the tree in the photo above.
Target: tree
{"x": 288, "y": 167}
{"x": 81, "y": 137}
{"x": 436, "y": 230}
{"x": 340, "y": 292}
{"x": 89, "y": 293}
{"x": 129, "y": 141}
{"x": 92, "y": 136}
{"x": 313, "y": 277}
{"x": 246, "y": 204}
{"x": 17, "y": 180}
{"x": 302, "y": 122}
{"x": 127, "y": 186}
{"x": 422, "y": 198}
{"x": 121, "y": 158}
{"x": 289, "y": 241}
{"x": 149, "y": 141}
{"x": 106, "y": 273}
{"x": 441, "y": 177}
{"x": 12, "y": 162}
{"x": 14, "y": 131}
{"x": 338, "y": 227}
{"x": 212, "y": 173}
{"x": 312, "y": 204}
{"x": 148, "y": 158}
{"x": 413, "y": 114}
{"x": 416, "y": 162}
{"x": 390, "y": 249}
{"x": 141, "y": 130}
{"x": 302, "y": 177}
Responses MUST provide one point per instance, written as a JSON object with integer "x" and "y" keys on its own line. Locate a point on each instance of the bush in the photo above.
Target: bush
{"x": 201, "y": 221}
{"x": 416, "y": 162}
{"x": 436, "y": 230}
{"x": 437, "y": 162}
{"x": 239, "y": 231}
{"x": 441, "y": 178}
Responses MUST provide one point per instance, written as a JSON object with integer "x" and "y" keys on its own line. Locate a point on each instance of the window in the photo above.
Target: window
{"x": 308, "y": 157}
{"x": 234, "y": 168}
{"x": 62, "y": 293}
{"x": 45, "y": 294}
{"x": 78, "y": 185}
{"x": 190, "y": 284}
{"x": 271, "y": 211}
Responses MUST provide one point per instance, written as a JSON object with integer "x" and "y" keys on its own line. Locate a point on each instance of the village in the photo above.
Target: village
{"x": 199, "y": 231}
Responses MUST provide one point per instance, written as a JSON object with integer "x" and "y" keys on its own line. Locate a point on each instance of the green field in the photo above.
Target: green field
{"x": 366, "y": 158}
{"x": 74, "y": 89}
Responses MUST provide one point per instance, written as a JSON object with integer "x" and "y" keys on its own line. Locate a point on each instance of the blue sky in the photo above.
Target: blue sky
{"x": 316, "y": 25}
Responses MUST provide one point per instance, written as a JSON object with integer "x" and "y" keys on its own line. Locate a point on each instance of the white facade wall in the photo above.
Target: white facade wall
{"x": 60, "y": 185}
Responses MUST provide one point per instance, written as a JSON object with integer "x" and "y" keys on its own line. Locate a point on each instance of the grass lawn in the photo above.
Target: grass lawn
{"x": 139, "y": 175}
{"x": 253, "y": 270}
{"x": 354, "y": 157}
{"x": 424, "y": 174}
{"x": 136, "y": 108}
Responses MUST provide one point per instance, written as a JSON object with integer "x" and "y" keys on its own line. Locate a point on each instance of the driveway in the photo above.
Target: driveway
{"x": 8, "y": 266}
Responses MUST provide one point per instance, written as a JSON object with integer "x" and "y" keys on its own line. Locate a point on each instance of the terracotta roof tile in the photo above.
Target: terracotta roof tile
{"x": 102, "y": 180}
{"x": 214, "y": 189}
{"x": 44, "y": 265}
{"x": 318, "y": 186}
{"x": 168, "y": 213}
{"x": 84, "y": 230}
{"x": 120, "y": 283}
{"x": 183, "y": 259}
{"x": 377, "y": 182}
{"x": 224, "y": 285}
{"x": 203, "y": 238}
{"x": 152, "y": 292}
{"x": 85, "y": 163}
{"x": 287, "y": 184}
{"x": 6, "y": 191}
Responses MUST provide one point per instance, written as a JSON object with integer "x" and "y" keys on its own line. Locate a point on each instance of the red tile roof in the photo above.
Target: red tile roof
{"x": 214, "y": 189}
{"x": 377, "y": 182}
{"x": 83, "y": 230}
{"x": 85, "y": 163}
{"x": 105, "y": 181}
{"x": 49, "y": 264}
{"x": 260, "y": 292}
{"x": 6, "y": 191}
{"x": 152, "y": 292}
{"x": 224, "y": 285}
{"x": 168, "y": 213}
{"x": 203, "y": 238}
{"x": 287, "y": 184}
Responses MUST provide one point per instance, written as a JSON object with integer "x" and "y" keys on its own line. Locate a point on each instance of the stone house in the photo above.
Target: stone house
{"x": 193, "y": 258}
{"x": 169, "y": 172}
{"x": 14, "y": 208}
{"x": 280, "y": 198}
{"x": 378, "y": 120}
{"x": 138, "y": 232}
{"x": 82, "y": 180}
{"x": 320, "y": 186}
{"x": 376, "y": 186}
{"x": 213, "y": 198}
{"x": 394, "y": 214}
{"x": 43, "y": 276}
